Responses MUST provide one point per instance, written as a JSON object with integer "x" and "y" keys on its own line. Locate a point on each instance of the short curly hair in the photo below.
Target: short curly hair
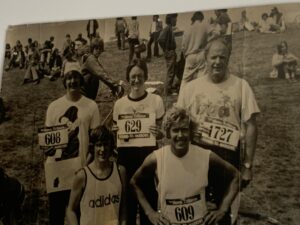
{"x": 173, "y": 116}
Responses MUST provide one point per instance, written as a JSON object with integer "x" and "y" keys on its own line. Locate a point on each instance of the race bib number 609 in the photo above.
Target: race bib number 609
{"x": 188, "y": 211}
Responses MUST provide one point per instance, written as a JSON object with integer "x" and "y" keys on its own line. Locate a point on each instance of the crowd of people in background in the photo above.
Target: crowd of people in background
{"x": 210, "y": 100}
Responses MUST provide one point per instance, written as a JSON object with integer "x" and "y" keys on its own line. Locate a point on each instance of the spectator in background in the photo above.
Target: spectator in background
{"x": 133, "y": 38}
{"x": 193, "y": 45}
{"x": 155, "y": 29}
{"x": 276, "y": 20}
{"x": 66, "y": 43}
{"x": 46, "y": 53}
{"x": 91, "y": 29}
{"x": 7, "y": 51}
{"x": 120, "y": 31}
{"x": 97, "y": 40}
{"x": 32, "y": 71}
{"x": 167, "y": 42}
{"x": 55, "y": 65}
{"x": 224, "y": 25}
{"x": 81, "y": 39}
{"x": 284, "y": 63}
{"x": 18, "y": 57}
{"x": 245, "y": 23}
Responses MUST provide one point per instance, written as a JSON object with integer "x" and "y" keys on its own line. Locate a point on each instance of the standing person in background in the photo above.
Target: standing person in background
{"x": 120, "y": 30}
{"x": 91, "y": 28}
{"x": 66, "y": 43}
{"x": 167, "y": 42}
{"x": 32, "y": 71}
{"x": 155, "y": 29}
{"x": 133, "y": 37}
{"x": 224, "y": 22}
{"x": 193, "y": 45}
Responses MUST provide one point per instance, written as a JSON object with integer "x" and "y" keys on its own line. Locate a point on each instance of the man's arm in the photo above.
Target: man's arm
{"x": 93, "y": 66}
{"x": 75, "y": 197}
{"x": 249, "y": 151}
{"x": 219, "y": 168}
{"x": 123, "y": 209}
{"x": 147, "y": 169}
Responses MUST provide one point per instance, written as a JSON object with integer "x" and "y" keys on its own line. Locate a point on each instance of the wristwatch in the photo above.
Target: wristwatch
{"x": 247, "y": 165}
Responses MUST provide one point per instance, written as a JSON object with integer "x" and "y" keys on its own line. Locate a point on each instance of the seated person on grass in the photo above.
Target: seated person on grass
{"x": 284, "y": 63}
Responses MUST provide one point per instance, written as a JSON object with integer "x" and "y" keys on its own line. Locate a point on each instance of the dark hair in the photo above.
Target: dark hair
{"x": 97, "y": 45}
{"x": 29, "y": 40}
{"x": 68, "y": 35}
{"x": 169, "y": 18}
{"x": 264, "y": 14}
{"x": 51, "y": 38}
{"x": 279, "y": 49}
{"x": 134, "y": 17}
{"x": 197, "y": 16}
{"x": 73, "y": 73}
{"x": 139, "y": 63}
{"x": 104, "y": 135}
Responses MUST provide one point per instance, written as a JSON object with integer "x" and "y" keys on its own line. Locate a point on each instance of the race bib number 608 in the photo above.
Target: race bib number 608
{"x": 56, "y": 137}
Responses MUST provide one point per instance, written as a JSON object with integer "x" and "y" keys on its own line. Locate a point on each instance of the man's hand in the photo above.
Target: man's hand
{"x": 118, "y": 90}
{"x": 246, "y": 176}
{"x": 156, "y": 132}
{"x": 157, "y": 218}
{"x": 213, "y": 217}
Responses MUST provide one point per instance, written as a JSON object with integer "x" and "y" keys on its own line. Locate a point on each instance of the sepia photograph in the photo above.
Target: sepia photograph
{"x": 178, "y": 118}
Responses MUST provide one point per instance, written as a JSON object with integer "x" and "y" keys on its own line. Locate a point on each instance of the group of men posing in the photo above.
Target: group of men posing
{"x": 212, "y": 134}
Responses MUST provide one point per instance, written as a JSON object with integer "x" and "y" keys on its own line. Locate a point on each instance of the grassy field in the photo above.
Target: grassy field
{"x": 274, "y": 191}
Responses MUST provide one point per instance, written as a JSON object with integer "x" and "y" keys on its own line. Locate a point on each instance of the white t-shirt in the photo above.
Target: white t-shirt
{"x": 179, "y": 202}
{"x": 80, "y": 116}
{"x": 220, "y": 110}
{"x": 150, "y": 103}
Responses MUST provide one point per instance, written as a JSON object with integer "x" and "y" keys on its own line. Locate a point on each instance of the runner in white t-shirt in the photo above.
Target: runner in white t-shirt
{"x": 223, "y": 111}
{"x": 182, "y": 172}
{"x": 81, "y": 115}
{"x": 138, "y": 103}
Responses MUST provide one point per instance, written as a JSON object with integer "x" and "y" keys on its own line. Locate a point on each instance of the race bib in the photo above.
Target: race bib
{"x": 134, "y": 130}
{"x": 188, "y": 211}
{"x": 220, "y": 134}
{"x": 56, "y": 137}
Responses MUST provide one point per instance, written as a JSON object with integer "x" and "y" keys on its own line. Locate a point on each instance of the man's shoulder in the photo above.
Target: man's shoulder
{"x": 58, "y": 101}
